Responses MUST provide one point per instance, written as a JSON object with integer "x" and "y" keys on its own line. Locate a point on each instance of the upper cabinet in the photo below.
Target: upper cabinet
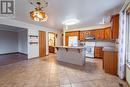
{"x": 107, "y": 33}
{"x": 83, "y": 34}
{"x": 115, "y": 26}
{"x": 99, "y": 34}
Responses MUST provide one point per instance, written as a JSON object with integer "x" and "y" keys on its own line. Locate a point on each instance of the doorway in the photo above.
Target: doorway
{"x": 13, "y": 44}
{"x": 51, "y": 42}
{"x": 42, "y": 43}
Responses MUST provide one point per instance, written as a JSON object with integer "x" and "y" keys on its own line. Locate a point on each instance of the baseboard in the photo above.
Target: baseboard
{"x": 9, "y": 53}
{"x": 13, "y": 53}
{"x": 22, "y": 53}
{"x": 32, "y": 58}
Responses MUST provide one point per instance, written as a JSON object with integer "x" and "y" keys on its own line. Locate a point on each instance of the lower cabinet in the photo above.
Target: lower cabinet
{"x": 110, "y": 62}
{"x": 98, "y": 53}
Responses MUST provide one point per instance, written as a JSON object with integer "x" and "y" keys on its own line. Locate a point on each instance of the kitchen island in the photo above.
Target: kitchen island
{"x": 73, "y": 55}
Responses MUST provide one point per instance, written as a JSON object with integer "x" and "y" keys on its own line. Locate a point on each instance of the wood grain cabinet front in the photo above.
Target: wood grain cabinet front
{"x": 98, "y": 53}
{"x": 107, "y": 33}
{"x": 110, "y": 62}
{"x": 115, "y": 26}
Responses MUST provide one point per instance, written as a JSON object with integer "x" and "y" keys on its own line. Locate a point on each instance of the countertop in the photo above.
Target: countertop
{"x": 69, "y": 47}
{"x": 111, "y": 49}
{"x": 98, "y": 41}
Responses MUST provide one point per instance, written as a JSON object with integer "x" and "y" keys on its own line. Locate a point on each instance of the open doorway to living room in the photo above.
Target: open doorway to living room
{"x": 13, "y": 44}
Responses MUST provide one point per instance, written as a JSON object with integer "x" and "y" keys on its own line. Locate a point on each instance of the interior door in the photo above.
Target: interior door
{"x": 42, "y": 43}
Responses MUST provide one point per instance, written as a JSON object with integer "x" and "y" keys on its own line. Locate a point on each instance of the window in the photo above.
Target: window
{"x": 128, "y": 38}
{"x": 73, "y": 41}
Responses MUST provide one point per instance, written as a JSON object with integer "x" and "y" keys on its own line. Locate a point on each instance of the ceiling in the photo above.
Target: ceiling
{"x": 88, "y": 12}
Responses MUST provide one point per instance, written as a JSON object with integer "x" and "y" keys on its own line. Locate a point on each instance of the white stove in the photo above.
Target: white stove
{"x": 90, "y": 49}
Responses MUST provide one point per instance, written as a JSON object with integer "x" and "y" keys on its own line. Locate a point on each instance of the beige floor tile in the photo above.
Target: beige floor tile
{"x": 68, "y": 85}
{"x": 47, "y": 72}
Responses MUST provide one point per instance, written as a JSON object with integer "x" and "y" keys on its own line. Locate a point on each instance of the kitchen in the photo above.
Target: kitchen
{"x": 100, "y": 43}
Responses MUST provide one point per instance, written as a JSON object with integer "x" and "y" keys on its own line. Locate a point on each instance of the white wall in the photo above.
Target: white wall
{"x": 8, "y": 42}
{"x": 33, "y": 50}
{"x": 22, "y": 42}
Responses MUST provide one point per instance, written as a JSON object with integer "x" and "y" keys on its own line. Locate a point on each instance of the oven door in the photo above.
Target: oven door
{"x": 90, "y": 51}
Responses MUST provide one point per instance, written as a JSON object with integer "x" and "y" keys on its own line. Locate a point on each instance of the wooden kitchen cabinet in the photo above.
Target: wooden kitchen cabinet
{"x": 99, "y": 34}
{"x": 107, "y": 33}
{"x": 110, "y": 62}
{"x": 115, "y": 26}
{"x": 84, "y": 34}
{"x": 98, "y": 53}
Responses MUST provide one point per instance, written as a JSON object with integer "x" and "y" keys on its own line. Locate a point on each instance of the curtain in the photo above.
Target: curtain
{"x": 122, "y": 45}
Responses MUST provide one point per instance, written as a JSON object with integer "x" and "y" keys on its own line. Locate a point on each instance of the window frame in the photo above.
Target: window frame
{"x": 128, "y": 38}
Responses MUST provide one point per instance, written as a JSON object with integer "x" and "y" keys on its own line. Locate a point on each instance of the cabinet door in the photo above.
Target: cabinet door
{"x": 115, "y": 27}
{"x": 99, "y": 34}
{"x": 92, "y": 33}
{"x": 110, "y": 62}
{"x": 98, "y": 53}
{"x": 107, "y": 33}
{"x": 66, "y": 40}
{"x": 82, "y": 35}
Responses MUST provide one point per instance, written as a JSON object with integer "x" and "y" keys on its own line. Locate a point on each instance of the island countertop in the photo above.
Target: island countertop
{"x": 73, "y": 55}
{"x": 71, "y": 47}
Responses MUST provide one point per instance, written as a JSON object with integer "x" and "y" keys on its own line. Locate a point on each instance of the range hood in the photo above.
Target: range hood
{"x": 89, "y": 37}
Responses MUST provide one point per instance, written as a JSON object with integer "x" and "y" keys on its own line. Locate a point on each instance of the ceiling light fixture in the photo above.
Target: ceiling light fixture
{"x": 38, "y": 14}
{"x": 70, "y": 22}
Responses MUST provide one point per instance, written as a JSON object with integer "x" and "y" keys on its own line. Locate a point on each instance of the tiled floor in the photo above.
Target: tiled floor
{"x": 47, "y": 72}
{"x": 12, "y": 58}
